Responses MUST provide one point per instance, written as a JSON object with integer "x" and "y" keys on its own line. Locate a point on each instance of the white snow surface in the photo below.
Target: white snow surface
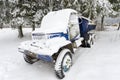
{"x": 101, "y": 62}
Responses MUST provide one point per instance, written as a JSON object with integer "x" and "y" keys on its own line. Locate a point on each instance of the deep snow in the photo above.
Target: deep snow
{"x": 101, "y": 62}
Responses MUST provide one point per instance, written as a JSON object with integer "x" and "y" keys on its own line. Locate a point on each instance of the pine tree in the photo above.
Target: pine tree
{"x": 105, "y": 10}
{"x": 1, "y": 14}
{"x": 116, "y": 4}
{"x": 17, "y": 17}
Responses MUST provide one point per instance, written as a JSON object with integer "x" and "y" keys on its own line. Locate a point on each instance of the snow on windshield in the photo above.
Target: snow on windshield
{"x": 57, "y": 19}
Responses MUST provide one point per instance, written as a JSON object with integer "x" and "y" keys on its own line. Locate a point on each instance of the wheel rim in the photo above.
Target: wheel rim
{"x": 67, "y": 62}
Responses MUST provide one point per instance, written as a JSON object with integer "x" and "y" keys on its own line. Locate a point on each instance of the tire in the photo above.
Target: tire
{"x": 88, "y": 43}
{"x": 85, "y": 44}
{"x": 91, "y": 41}
{"x": 29, "y": 59}
{"x": 63, "y": 63}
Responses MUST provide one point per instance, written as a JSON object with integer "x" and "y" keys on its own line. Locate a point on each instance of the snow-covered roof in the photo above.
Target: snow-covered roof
{"x": 57, "y": 20}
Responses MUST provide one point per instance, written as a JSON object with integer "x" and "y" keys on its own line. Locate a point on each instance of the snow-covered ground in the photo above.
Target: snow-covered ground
{"x": 101, "y": 62}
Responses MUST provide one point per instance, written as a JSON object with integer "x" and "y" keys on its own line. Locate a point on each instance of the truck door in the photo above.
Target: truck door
{"x": 73, "y": 27}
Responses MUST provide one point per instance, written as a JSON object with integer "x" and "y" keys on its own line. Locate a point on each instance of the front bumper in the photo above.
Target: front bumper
{"x": 42, "y": 49}
{"x": 36, "y": 52}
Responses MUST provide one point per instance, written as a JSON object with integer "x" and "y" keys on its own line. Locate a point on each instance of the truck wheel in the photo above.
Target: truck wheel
{"x": 86, "y": 43}
{"x": 90, "y": 41}
{"x": 63, "y": 63}
{"x": 29, "y": 59}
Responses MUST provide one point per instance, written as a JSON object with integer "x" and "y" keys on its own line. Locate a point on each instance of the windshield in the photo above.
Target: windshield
{"x": 53, "y": 20}
{"x": 56, "y": 20}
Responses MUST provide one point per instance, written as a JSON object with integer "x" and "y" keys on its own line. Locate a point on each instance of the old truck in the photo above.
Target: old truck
{"x": 60, "y": 33}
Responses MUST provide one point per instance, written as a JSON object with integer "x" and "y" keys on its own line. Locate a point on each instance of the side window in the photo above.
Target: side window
{"x": 73, "y": 26}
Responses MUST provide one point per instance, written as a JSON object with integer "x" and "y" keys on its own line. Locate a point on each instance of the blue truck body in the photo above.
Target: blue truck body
{"x": 85, "y": 27}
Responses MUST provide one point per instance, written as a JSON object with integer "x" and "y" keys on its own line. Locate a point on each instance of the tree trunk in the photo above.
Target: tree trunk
{"x": 33, "y": 26}
{"x": 20, "y": 32}
{"x": 89, "y": 14}
{"x": 51, "y": 5}
{"x": 102, "y": 22}
{"x": 118, "y": 26}
{"x": 90, "y": 11}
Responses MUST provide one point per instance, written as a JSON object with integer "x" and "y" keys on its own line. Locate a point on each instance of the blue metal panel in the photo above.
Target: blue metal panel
{"x": 45, "y": 58}
{"x": 91, "y": 27}
{"x": 59, "y": 34}
{"x": 83, "y": 26}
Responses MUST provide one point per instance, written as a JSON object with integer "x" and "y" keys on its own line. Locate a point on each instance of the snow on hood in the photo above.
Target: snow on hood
{"x": 56, "y": 21}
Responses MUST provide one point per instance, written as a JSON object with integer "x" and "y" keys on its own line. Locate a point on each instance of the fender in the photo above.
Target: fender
{"x": 67, "y": 46}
